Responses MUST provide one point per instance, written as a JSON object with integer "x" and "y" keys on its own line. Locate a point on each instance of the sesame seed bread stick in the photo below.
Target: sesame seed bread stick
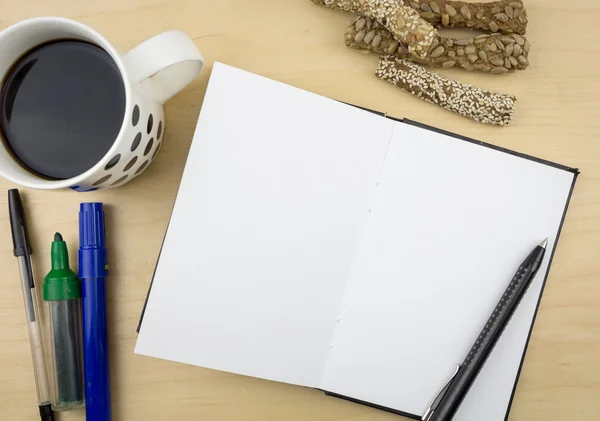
{"x": 465, "y": 100}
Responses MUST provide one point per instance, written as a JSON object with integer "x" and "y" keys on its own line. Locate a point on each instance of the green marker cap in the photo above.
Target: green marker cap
{"x": 60, "y": 283}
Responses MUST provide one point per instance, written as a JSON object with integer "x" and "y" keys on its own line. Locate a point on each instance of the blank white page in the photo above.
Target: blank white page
{"x": 275, "y": 193}
{"x": 449, "y": 226}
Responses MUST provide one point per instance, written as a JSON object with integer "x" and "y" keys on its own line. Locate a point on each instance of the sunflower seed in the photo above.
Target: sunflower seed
{"x": 369, "y": 37}
{"x": 427, "y": 15}
{"x": 451, "y": 54}
{"x": 448, "y": 64}
{"x": 509, "y": 50}
{"x": 369, "y": 23}
{"x": 480, "y": 41}
{"x": 479, "y": 14}
{"x": 445, "y": 20}
{"x": 509, "y": 11}
{"x": 517, "y": 50}
{"x": 500, "y": 45}
{"x": 516, "y": 4}
{"x": 465, "y": 11}
{"x": 527, "y": 46}
{"x": 376, "y": 41}
{"x": 523, "y": 19}
{"x": 507, "y": 40}
{"x": 483, "y": 55}
{"x": 519, "y": 39}
{"x": 494, "y": 26}
{"x": 400, "y": 22}
{"x": 393, "y": 47}
{"x": 501, "y": 17}
{"x": 496, "y": 61}
{"x": 486, "y": 48}
{"x": 523, "y": 60}
{"x": 496, "y": 9}
{"x": 518, "y": 12}
{"x": 463, "y": 41}
{"x": 460, "y": 52}
{"x": 435, "y": 43}
{"x": 473, "y": 58}
{"x": 493, "y": 47}
{"x": 414, "y": 5}
{"x": 438, "y": 51}
{"x": 359, "y": 36}
{"x": 507, "y": 64}
{"x": 423, "y": 29}
{"x": 450, "y": 10}
{"x": 360, "y": 24}
{"x": 450, "y": 42}
{"x": 499, "y": 70}
{"x": 513, "y": 61}
{"x": 470, "y": 49}
{"x": 425, "y": 7}
{"x": 434, "y": 6}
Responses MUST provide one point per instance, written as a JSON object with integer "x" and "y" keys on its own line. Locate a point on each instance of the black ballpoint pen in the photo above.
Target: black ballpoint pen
{"x": 447, "y": 402}
{"x": 22, "y": 251}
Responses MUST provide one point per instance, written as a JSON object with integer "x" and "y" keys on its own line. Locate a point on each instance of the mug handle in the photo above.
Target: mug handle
{"x": 164, "y": 64}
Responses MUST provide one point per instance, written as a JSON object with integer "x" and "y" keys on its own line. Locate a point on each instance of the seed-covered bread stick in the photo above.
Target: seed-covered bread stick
{"x": 402, "y": 21}
{"x": 466, "y": 100}
{"x": 493, "y": 53}
{"x": 505, "y": 16}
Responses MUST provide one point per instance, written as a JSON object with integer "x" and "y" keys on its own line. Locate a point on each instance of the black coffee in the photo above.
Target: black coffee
{"x": 62, "y": 107}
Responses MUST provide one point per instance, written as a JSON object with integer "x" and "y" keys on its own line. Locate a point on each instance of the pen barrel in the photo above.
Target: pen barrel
{"x": 92, "y": 272}
{"x": 66, "y": 354}
{"x": 34, "y": 328}
{"x": 488, "y": 338}
{"x": 95, "y": 349}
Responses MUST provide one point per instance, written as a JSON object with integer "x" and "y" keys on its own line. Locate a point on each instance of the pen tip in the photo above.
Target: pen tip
{"x": 544, "y": 243}
{"x": 58, "y": 237}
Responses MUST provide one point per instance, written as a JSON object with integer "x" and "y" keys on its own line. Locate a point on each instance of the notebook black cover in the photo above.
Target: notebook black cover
{"x": 575, "y": 172}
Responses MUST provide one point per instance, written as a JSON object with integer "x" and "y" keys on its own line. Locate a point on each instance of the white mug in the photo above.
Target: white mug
{"x": 152, "y": 73}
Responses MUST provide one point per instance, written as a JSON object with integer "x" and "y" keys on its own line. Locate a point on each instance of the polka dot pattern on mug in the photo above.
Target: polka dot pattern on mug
{"x": 142, "y": 167}
{"x": 136, "y": 142}
{"x": 130, "y": 163}
{"x": 150, "y": 122}
{"x": 149, "y": 146}
{"x": 113, "y": 161}
{"x": 159, "y": 131}
{"x": 102, "y": 180}
{"x": 144, "y": 148}
{"x": 135, "y": 116}
{"x": 156, "y": 150}
{"x": 120, "y": 180}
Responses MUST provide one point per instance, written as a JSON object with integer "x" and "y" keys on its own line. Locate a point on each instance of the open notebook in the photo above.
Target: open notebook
{"x": 319, "y": 244}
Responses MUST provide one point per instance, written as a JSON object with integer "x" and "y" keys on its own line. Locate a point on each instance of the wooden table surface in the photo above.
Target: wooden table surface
{"x": 296, "y": 42}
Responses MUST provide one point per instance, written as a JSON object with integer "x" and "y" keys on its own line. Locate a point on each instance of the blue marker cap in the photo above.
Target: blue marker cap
{"x": 92, "y": 241}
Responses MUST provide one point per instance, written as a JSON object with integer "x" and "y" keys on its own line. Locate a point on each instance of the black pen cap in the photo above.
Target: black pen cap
{"x": 18, "y": 226}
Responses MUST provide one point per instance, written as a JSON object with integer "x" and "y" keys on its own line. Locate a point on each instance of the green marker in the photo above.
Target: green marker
{"x": 62, "y": 291}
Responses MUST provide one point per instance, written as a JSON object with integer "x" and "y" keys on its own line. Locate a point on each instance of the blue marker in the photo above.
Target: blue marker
{"x": 92, "y": 272}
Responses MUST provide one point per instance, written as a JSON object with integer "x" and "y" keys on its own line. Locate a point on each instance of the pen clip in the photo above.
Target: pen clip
{"x": 436, "y": 401}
